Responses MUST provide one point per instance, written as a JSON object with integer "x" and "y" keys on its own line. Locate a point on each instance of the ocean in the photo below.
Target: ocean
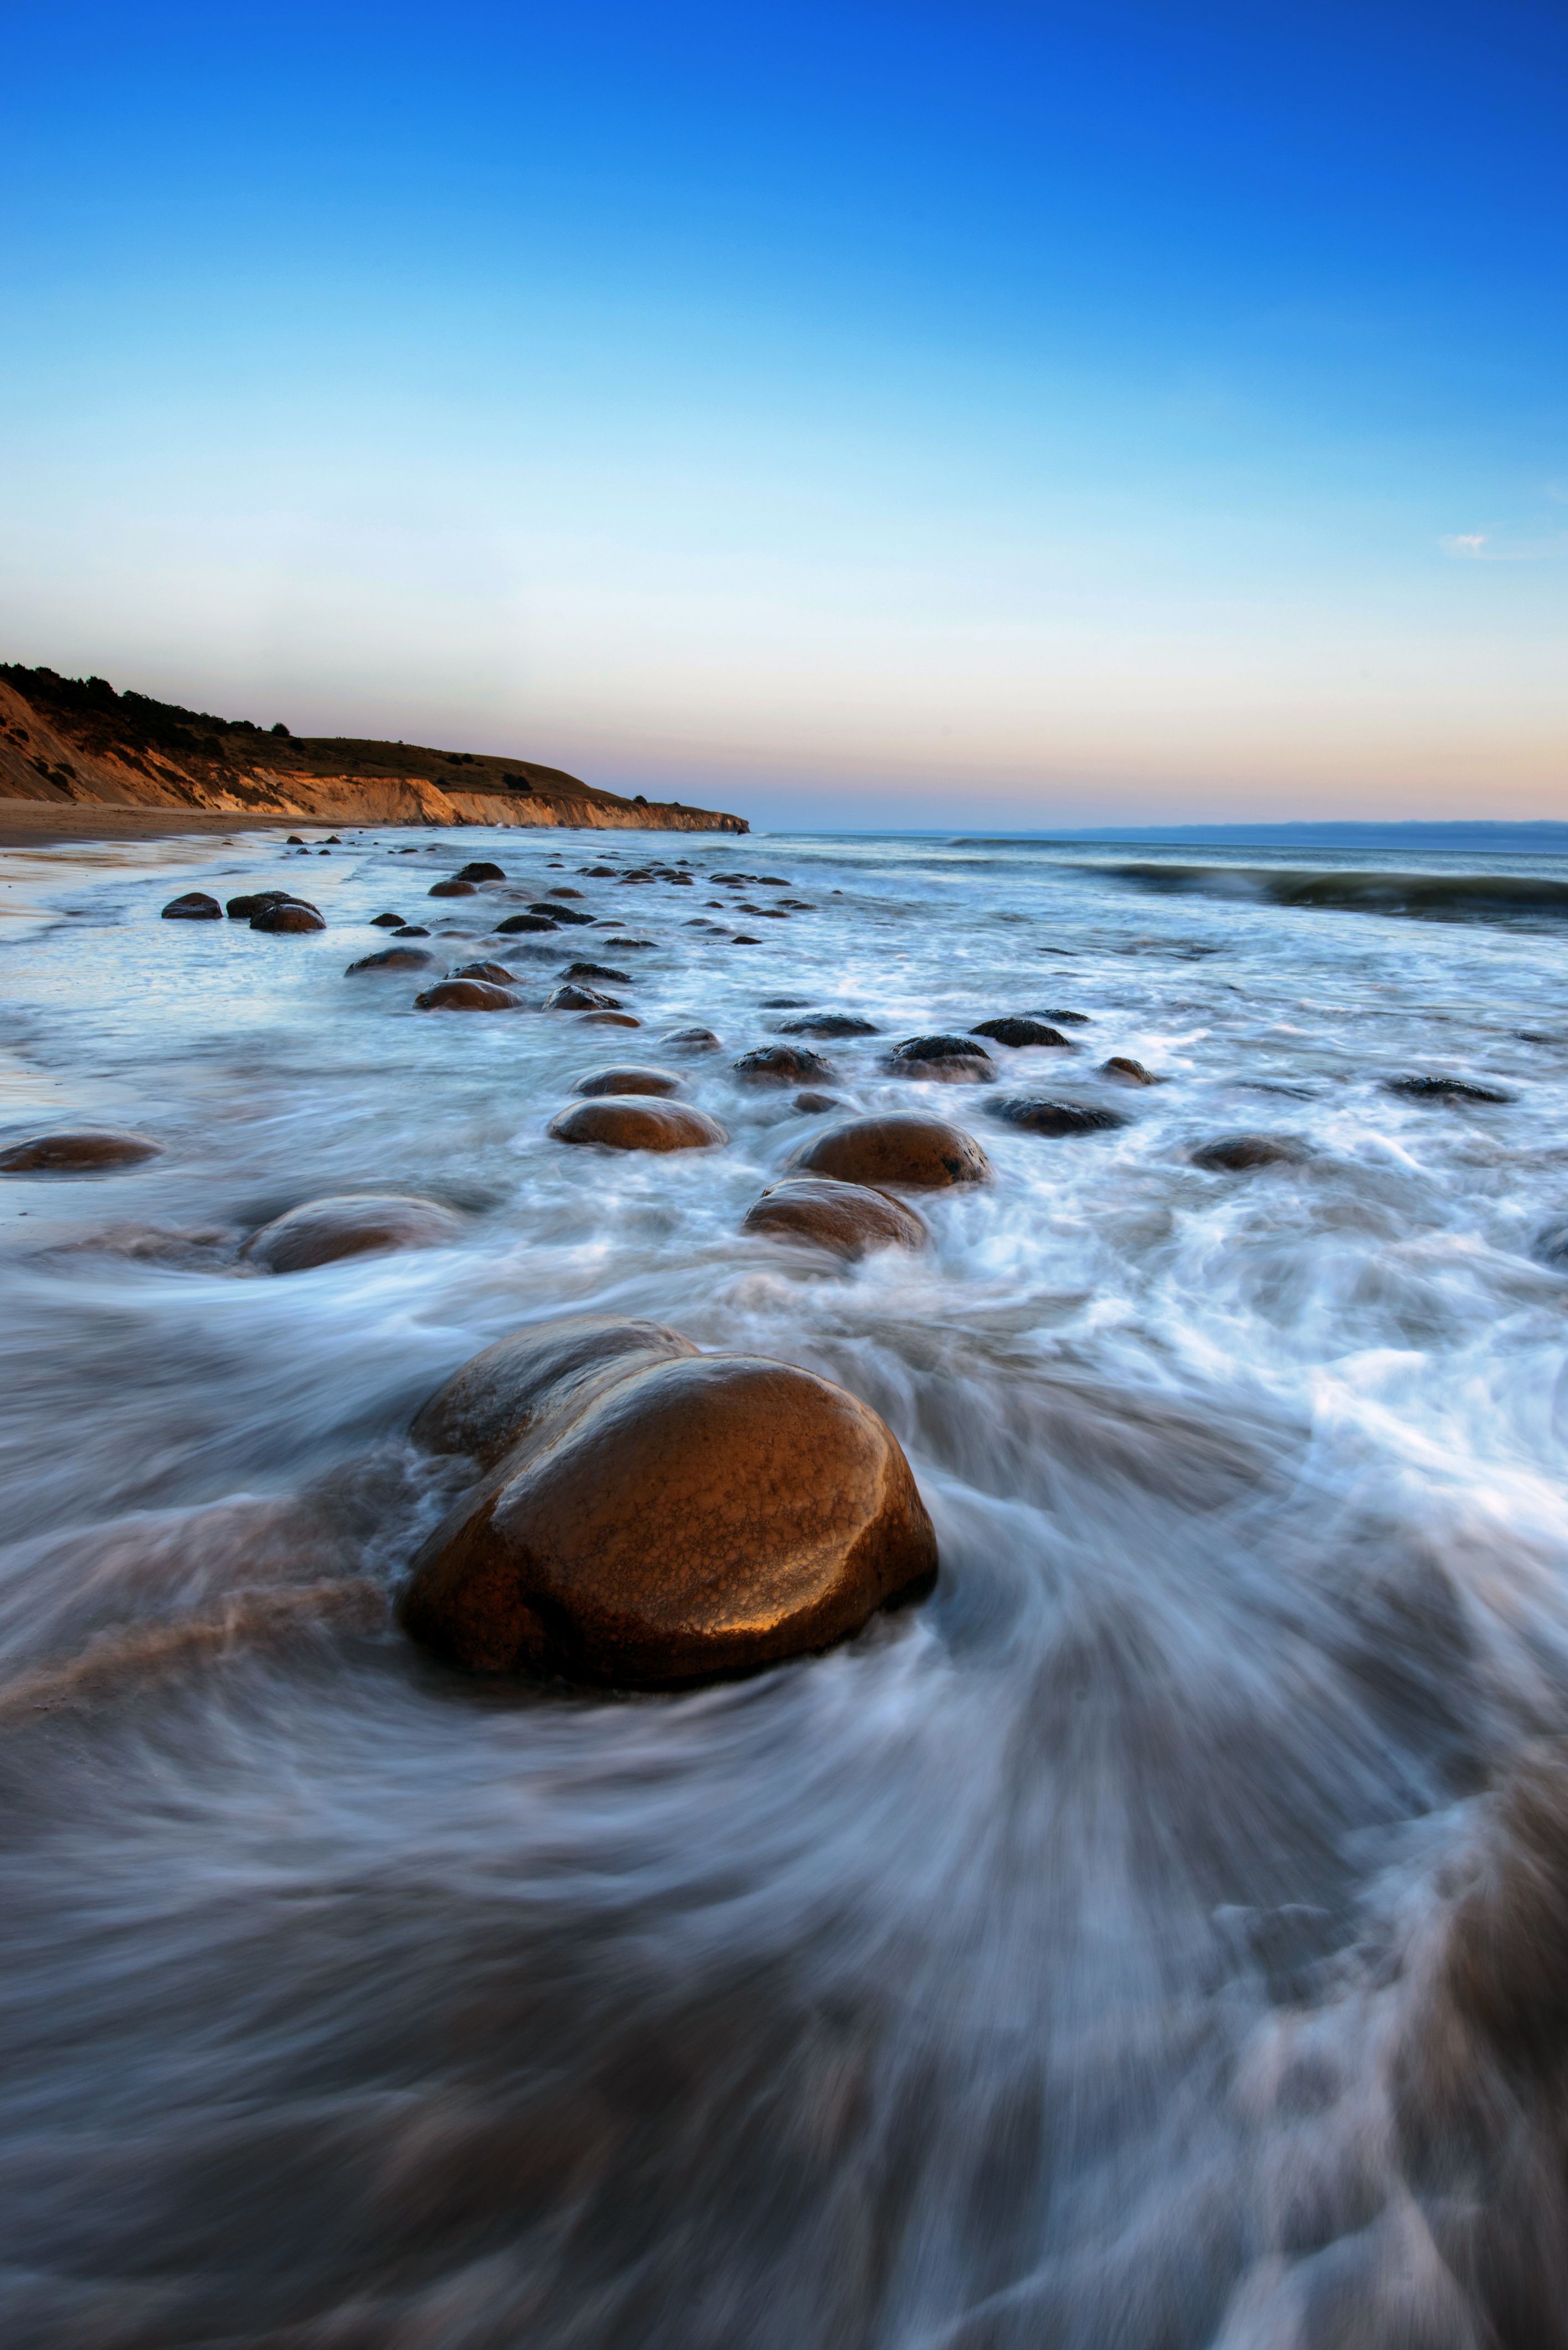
{"x": 1154, "y": 1938}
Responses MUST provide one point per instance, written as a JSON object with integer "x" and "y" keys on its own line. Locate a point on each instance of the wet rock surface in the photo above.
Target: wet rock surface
{"x": 780, "y": 1065}
{"x": 516, "y": 922}
{"x": 393, "y": 958}
{"x": 1019, "y": 1032}
{"x": 663, "y": 1083}
{"x": 1445, "y": 1089}
{"x": 829, "y": 1025}
{"x": 553, "y": 911}
{"x": 194, "y": 905}
{"x": 637, "y": 1122}
{"x": 453, "y": 889}
{"x": 465, "y": 995}
{"x": 1129, "y": 1072}
{"x": 1239, "y": 1154}
{"x": 292, "y": 917}
{"x": 697, "y": 1518}
{"x": 356, "y": 1224}
{"x": 849, "y": 1219}
{"x": 495, "y": 973}
{"x": 78, "y": 1152}
{"x": 1037, "y": 1114}
{"x": 571, "y": 996}
{"x": 497, "y": 1397}
{"x": 479, "y": 871}
{"x": 904, "y": 1152}
{"x": 693, "y": 1040}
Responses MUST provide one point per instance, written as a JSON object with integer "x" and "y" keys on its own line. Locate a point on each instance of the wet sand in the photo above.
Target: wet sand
{"x": 43, "y": 824}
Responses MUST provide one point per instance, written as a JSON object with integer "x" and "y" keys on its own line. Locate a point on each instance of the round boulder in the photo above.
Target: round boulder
{"x": 195, "y": 906}
{"x": 243, "y": 909}
{"x": 497, "y": 1397}
{"x": 782, "y": 1065}
{"x": 609, "y": 1020}
{"x": 1129, "y": 1072}
{"x": 847, "y": 1218}
{"x": 79, "y": 1153}
{"x": 903, "y": 1152}
{"x": 628, "y": 1081}
{"x": 942, "y": 1060}
{"x": 1037, "y": 1115}
{"x": 465, "y": 996}
{"x": 1021, "y": 1032}
{"x": 694, "y": 1040}
{"x": 452, "y": 890}
{"x": 393, "y": 958}
{"x": 495, "y": 973}
{"x": 323, "y": 1232}
{"x": 293, "y": 916}
{"x": 1239, "y": 1154}
{"x": 829, "y": 1023}
{"x": 480, "y": 872}
{"x": 515, "y": 922}
{"x": 381, "y": 921}
{"x": 571, "y": 997}
{"x": 555, "y": 912}
{"x": 697, "y": 1518}
{"x": 633, "y": 1122}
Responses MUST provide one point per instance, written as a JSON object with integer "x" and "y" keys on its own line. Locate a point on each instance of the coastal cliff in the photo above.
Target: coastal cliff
{"x": 77, "y": 742}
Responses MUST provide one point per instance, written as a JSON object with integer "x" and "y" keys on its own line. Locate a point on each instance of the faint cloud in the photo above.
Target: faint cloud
{"x": 1479, "y": 546}
{"x": 1469, "y": 545}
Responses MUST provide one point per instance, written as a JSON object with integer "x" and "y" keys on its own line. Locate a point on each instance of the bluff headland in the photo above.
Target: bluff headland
{"x": 70, "y": 741}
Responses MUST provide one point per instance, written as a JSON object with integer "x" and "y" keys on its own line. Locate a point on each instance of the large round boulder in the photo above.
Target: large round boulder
{"x": 359, "y": 1223}
{"x": 697, "y": 1518}
{"x": 80, "y": 1152}
{"x": 195, "y": 906}
{"x": 1036, "y": 1114}
{"x": 625, "y": 1122}
{"x": 498, "y": 1397}
{"x": 694, "y": 1040}
{"x": 905, "y": 1152}
{"x": 1020, "y": 1032}
{"x": 555, "y": 912}
{"x": 662, "y": 1082}
{"x": 495, "y": 973}
{"x": 254, "y": 901}
{"x": 465, "y": 996}
{"x": 782, "y": 1065}
{"x": 291, "y": 916}
{"x": 941, "y": 1060}
{"x": 849, "y": 1219}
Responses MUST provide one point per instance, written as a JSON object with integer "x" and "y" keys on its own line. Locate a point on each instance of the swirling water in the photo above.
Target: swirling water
{"x": 1153, "y": 1940}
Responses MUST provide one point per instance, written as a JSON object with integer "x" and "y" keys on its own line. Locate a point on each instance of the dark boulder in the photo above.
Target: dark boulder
{"x": 195, "y": 906}
{"x": 452, "y": 890}
{"x": 662, "y": 1082}
{"x": 634, "y": 1122}
{"x": 242, "y": 909}
{"x": 570, "y": 997}
{"x": 1444, "y": 1089}
{"x": 412, "y": 930}
{"x": 82, "y": 1151}
{"x": 282, "y": 921}
{"x": 782, "y": 1065}
{"x": 696, "y": 1518}
{"x": 905, "y": 1152}
{"x": 694, "y": 1040}
{"x": 495, "y": 973}
{"x": 393, "y": 958}
{"x": 597, "y": 970}
{"x": 465, "y": 996}
{"x": 499, "y": 1396}
{"x": 1020, "y": 1032}
{"x": 558, "y": 913}
{"x": 846, "y": 1218}
{"x": 829, "y": 1023}
{"x": 1062, "y": 1019}
{"x": 359, "y": 1223}
{"x": 386, "y": 921}
{"x": 524, "y": 922}
{"x": 1237, "y": 1154}
{"x": 608, "y": 1020}
{"x": 1036, "y": 1115}
{"x": 1129, "y": 1072}
{"x": 480, "y": 872}
{"x": 816, "y": 1104}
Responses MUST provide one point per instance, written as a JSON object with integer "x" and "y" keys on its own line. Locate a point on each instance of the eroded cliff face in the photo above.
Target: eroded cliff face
{"x": 63, "y": 741}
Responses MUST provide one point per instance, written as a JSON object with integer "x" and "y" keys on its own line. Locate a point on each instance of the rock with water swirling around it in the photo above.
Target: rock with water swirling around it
{"x": 829, "y": 1023}
{"x": 1020, "y": 1032}
{"x": 83, "y": 1151}
{"x": 1129, "y": 1072}
{"x": 905, "y": 1152}
{"x": 1239, "y": 1154}
{"x": 497, "y": 1397}
{"x": 849, "y": 1219}
{"x": 782, "y": 1065}
{"x": 698, "y": 1518}
{"x": 626, "y": 1122}
{"x": 693, "y": 1040}
{"x": 514, "y": 923}
{"x": 662, "y": 1082}
{"x": 591, "y": 971}
{"x": 495, "y": 973}
{"x": 245, "y": 908}
{"x": 195, "y": 906}
{"x": 552, "y": 910}
{"x": 1036, "y": 1114}
{"x": 1445, "y": 1089}
{"x": 572, "y": 997}
{"x": 479, "y": 871}
{"x": 465, "y": 995}
{"x": 293, "y": 916}
{"x": 386, "y": 921}
{"x": 452, "y": 890}
{"x": 393, "y": 958}
{"x": 946, "y": 1060}
{"x": 323, "y": 1231}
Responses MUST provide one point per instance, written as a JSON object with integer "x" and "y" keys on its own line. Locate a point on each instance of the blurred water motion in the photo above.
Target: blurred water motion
{"x": 1158, "y": 1939}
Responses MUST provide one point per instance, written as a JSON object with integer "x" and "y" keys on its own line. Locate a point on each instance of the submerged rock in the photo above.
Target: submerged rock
{"x": 571, "y": 997}
{"x": 1037, "y": 1115}
{"x": 78, "y": 1152}
{"x": 942, "y": 1060}
{"x": 293, "y": 915}
{"x": 1237, "y": 1154}
{"x": 847, "y": 1218}
{"x": 1021, "y": 1032}
{"x": 628, "y": 1081}
{"x": 480, "y": 872}
{"x": 597, "y": 971}
{"x": 609, "y": 1020}
{"x": 816, "y": 1104}
{"x": 782, "y": 1065}
{"x": 497, "y": 1397}
{"x": 625, "y": 1122}
{"x": 356, "y": 1224}
{"x": 829, "y": 1023}
{"x": 524, "y": 922}
{"x": 1443, "y": 1090}
{"x": 697, "y": 1517}
{"x": 905, "y": 1152}
{"x": 393, "y": 958}
{"x": 694, "y": 1040}
{"x": 495, "y": 973}
{"x": 555, "y": 912}
{"x": 195, "y": 906}
{"x": 465, "y": 996}
{"x": 1129, "y": 1072}
{"x": 452, "y": 890}
{"x": 412, "y": 930}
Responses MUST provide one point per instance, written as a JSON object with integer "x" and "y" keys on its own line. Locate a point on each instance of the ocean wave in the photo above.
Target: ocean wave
{"x": 1432, "y": 896}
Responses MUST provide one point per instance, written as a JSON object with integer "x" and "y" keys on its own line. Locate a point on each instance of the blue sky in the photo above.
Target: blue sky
{"x": 902, "y": 414}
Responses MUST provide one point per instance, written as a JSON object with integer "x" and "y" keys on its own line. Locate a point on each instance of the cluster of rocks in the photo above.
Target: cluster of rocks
{"x": 277, "y": 912}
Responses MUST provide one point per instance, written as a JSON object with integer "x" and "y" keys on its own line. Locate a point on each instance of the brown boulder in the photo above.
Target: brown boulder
{"x": 694, "y": 1040}
{"x": 465, "y": 996}
{"x": 195, "y": 906}
{"x": 480, "y": 872}
{"x": 1239, "y": 1154}
{"x": 393, "y": 958}
{"x": 1020, "y": 1032}
{"x": 524, "y": 923}
{"x": 495, "y": 973}
{"x": 621, "y": 1123}
{"x": 323, "y": 1232}
{"x": 291, "y": 917}
{"x": 628, "y": 1081}
{"x": 941, "y": 1060}
{"x": 847, "y": 1218}
{"x": 1036, "y": 1114}
{"x": 452, "y": 890}
{"x": 77, "y": 1153}
{"x": 905, "y": 1152}
{"x": 570, "y": 997}
{"x": 1129, "y": 1072}
{"x": 609, "y": 1020}
{"x": 496, "y": 1398}
{"x": 782, "y": 1065}
{"x": 696, "y": 1518}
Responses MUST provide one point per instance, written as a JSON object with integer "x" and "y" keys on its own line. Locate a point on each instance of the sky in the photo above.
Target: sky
{"x": 845, "y": 414}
